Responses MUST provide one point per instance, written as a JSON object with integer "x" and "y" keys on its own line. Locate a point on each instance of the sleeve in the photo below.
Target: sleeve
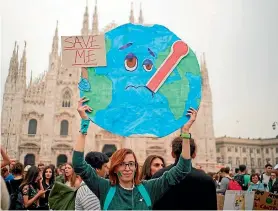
{"x": 157, "y": 187}
{"x": 97, "y": 185}
{"x": 223, "y": 186}
{"x": 88, "y": 200}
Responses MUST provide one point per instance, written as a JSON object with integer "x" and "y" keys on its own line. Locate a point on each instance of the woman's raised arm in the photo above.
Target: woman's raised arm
{"x": 157, "y": 187}
{"x": 81, "y": 167}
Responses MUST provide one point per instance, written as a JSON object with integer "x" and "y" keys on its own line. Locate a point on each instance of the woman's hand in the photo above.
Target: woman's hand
{"x": 83, "y": 108}
{"x": 41, "y": 192}
{"x": 193, "y": 115}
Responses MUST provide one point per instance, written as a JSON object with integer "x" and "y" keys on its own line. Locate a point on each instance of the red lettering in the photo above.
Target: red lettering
{"x": 77, "y": 54}
{"x": 92, "y": 41}
{"x": 86, "y": 44}
{"x": 76, "y": 41}
{"x": 90, "y": 57}
{"x": 67, "y": 41}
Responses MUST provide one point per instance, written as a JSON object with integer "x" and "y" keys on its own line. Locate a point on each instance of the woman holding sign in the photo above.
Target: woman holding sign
{"x": 124, "y": 190}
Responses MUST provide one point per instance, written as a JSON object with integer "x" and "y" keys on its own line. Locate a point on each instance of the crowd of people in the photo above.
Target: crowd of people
{"x": 99, "y": 181}
{"x": 241, "y": 180}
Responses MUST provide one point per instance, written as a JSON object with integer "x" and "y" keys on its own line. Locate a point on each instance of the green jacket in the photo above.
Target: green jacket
{"x": 129, "y": 199}
{"x": 62, "y": 197}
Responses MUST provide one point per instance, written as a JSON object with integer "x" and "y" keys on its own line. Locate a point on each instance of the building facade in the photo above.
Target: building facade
{"x": 254, "y": 153}
{"x": 40, "y": 122}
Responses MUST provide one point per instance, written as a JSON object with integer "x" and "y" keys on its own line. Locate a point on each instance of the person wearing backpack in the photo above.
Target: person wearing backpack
{"x": 124, "y": 190}
{"x": 265, "y": 177}
{"x": 13, "y": 187}
{"x": 242, "y": 177}
{"x": 224, "y": 172}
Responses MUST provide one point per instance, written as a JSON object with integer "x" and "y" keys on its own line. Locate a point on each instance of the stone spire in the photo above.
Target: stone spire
{"x": 131, "y": 16}
{"x": 55, "y": 42}
{"x": 206, "y": 90}
{"x": 21, "y": 77}
{"x": 95, "y": 21}
{"x": 141, "y": 19}
{"x": 12, "y": 63}
{"x": 85, "y": 28}
{"x": 31, "y": 78}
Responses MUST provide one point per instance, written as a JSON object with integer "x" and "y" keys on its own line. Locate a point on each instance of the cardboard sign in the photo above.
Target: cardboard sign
{"x": 239, "y": 200}
{"x": 83, "y": 51}
{"x": 123, "y": 101}
{"x": 265, "y": 201}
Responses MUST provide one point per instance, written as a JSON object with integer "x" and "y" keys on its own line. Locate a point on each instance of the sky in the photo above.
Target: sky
{"x": 238, "y": 37}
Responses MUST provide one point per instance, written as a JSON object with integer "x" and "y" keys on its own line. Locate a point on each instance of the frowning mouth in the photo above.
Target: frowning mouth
{"x": 137, "y": 87}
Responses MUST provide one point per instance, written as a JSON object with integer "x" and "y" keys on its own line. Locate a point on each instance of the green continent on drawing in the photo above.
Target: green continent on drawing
{"x": 100, "y": 84}
{"x": 177, "y": 91}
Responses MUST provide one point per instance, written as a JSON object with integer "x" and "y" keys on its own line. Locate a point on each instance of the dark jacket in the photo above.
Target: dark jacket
{"x": 195, "y": 192}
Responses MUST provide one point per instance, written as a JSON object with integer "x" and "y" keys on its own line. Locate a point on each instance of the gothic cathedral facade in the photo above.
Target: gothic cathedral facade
{"x": 40, "y": 122}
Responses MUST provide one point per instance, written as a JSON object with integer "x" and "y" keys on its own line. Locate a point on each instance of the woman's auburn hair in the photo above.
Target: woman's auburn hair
{"x": 116, "y": 159}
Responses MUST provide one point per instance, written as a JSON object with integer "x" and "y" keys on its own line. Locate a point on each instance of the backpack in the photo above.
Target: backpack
{"x": 240, "y": 180}
{"x": 62, "y": 197}
{"x": 16, "y": 197}
{"x": 234, "y": 185}
{"x": 141, "y": 189}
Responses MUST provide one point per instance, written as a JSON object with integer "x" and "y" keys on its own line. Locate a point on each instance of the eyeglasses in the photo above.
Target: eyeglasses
{"x": 273, "y": 175}
{"x": 131, "y": 165}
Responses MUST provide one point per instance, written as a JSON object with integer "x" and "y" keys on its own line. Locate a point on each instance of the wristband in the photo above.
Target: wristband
{"x": 84, "y": 126}
{"x": 186, "y": 135}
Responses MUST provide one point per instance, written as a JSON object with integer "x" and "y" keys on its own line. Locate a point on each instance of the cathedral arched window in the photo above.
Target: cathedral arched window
{"x": 64, "y": 129}
{"x": 66, "y": 99}
{"x": 109, "y": 148}
{"x": 32, "y": 127}
{"x": 61, "y": 159}
{"x": 29, "y": 159}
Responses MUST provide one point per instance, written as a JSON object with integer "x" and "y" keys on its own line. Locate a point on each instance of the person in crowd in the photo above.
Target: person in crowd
{"x": 152, "y": 164}
{"x": 5, "y": 173}
{"x": 13, "y": 162}
{"x": 32, "y": 189}
{"x": 256, "y": 184}
{"x": 85, "y": 198}
{"x": 60, "y": 171}
{"x": 41, "y": 168}
{"x": 13, "y": 187}
{"x": 244, "y": 175}
{"x": 52, "y": 166}
{"x": 71, "y": 179}
{"x": 273, "y": 182}
{"x": 216, "y": 179}
{"x": 196, "y": 183}
{"x": 5, "y": 199}
{"x": 17, "y": 171}
{"x": 225, "y": 173}
{"x": 48, "y": 178}
{"x": 125, "y": 190}
{"x": 6, "y": 160}
{"x": 236, "y": 171}
{"x": 26, "y": 170}
{"x": 265, "y": 177}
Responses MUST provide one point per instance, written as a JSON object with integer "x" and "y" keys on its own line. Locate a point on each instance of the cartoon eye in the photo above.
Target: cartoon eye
{"x": 131, "y": 62}
{"x": 148, "y": 65}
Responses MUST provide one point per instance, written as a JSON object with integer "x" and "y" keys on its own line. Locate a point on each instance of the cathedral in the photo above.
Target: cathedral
{"x": 40, "y": 122}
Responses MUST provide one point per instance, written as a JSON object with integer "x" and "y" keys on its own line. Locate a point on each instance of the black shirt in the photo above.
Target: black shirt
{"x": 195, "y": 192}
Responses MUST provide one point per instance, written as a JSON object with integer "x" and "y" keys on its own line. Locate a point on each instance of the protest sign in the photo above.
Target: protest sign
{"x": 83, "y": 51}
{"x": 265, "y": 201}
{"x": 239, "y": 200}
{"x": 151, "y": 79}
